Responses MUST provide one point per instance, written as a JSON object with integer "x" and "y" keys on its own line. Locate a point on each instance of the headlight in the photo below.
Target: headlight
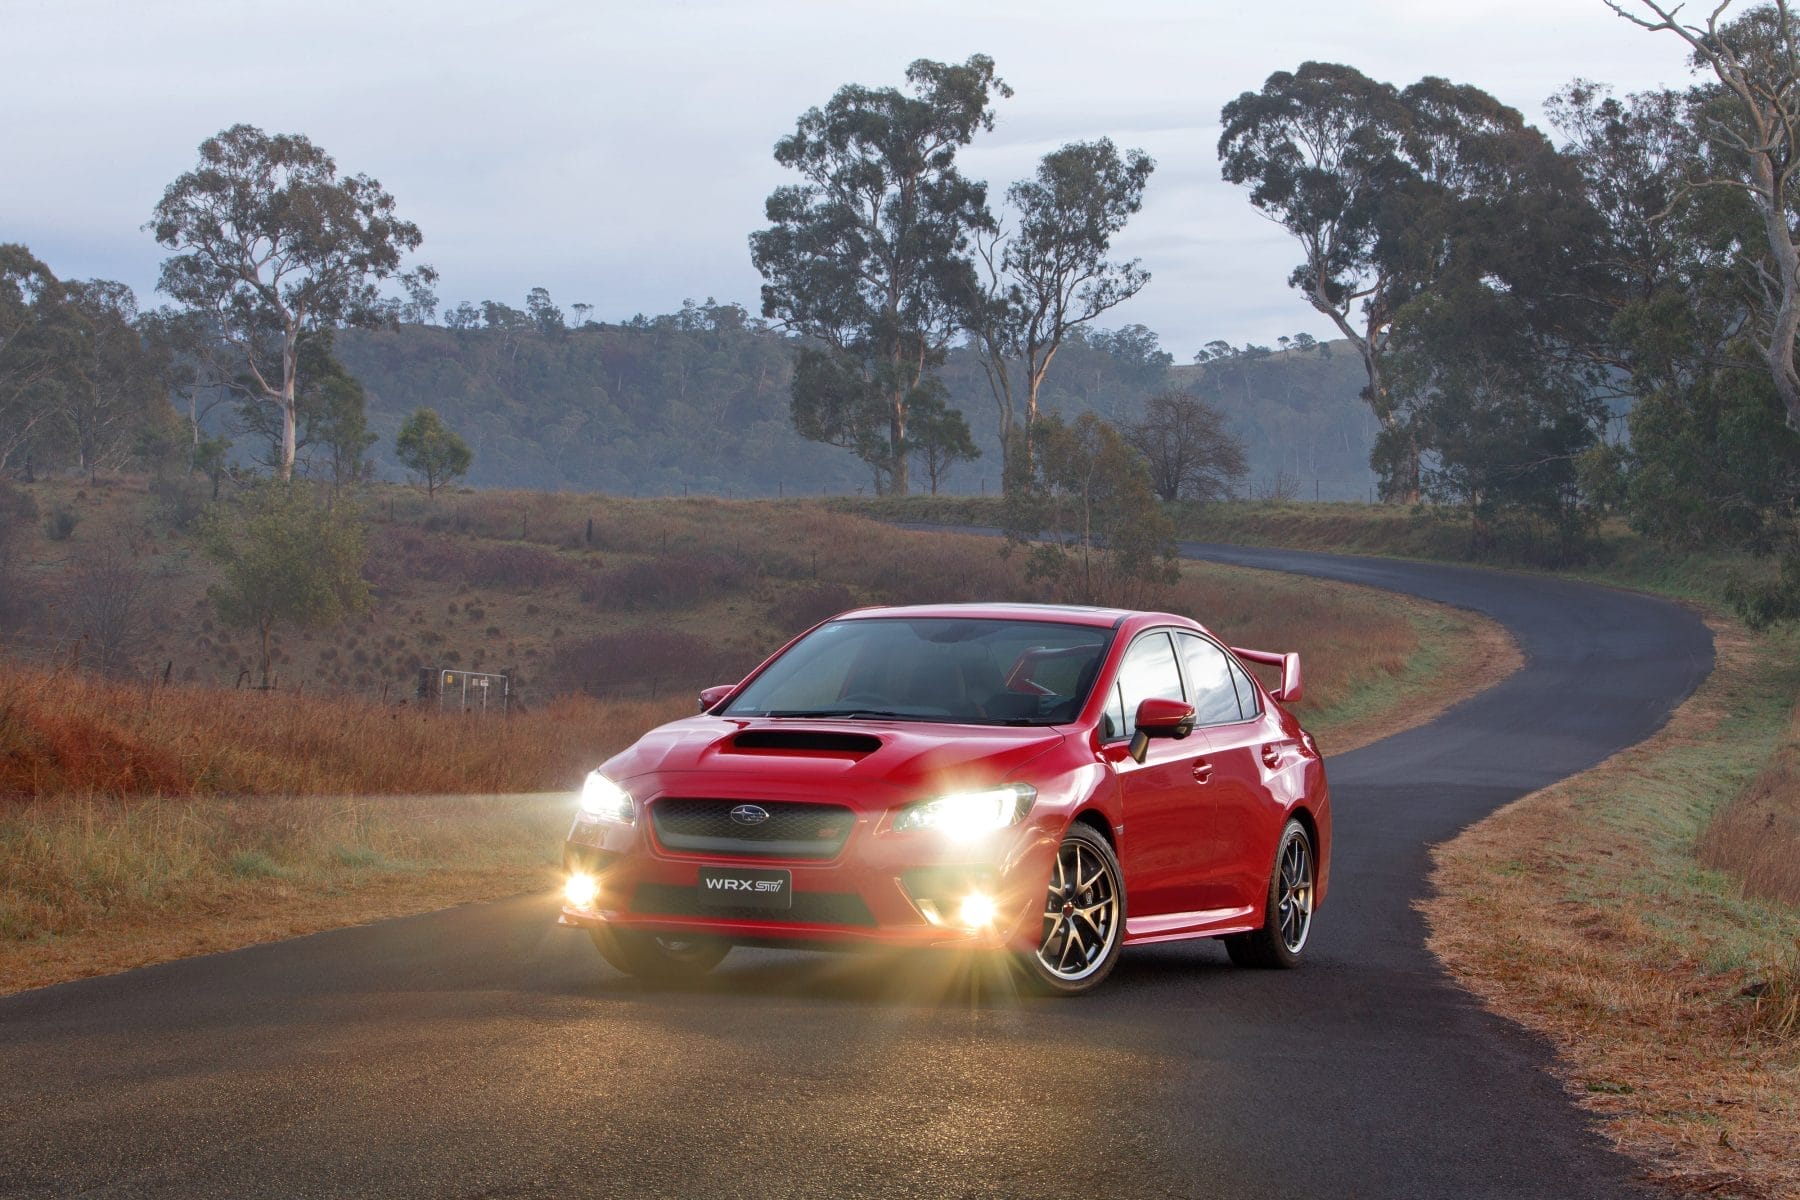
{"x": 965, "y": 815}
{"x": 603, "y": 798}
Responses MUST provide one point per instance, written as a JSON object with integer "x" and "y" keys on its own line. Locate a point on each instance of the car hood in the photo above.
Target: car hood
{"x": 907, "y": 756}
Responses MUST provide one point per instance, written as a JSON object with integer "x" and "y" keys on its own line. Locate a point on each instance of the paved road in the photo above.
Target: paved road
{"x": 481, "y": 1052}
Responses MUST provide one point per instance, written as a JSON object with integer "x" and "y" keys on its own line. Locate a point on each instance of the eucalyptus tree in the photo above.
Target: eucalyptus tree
{"x": 117, "y": 390}
{"x": 1050, "y": 274}
{"x": 867, "y": 258}
{"x": 271, "y": 244}
{"x": 1320, "y": 150}
{"x": 39, "y": 346}
{"x": 1398, "y": 197}
{"x": 1753, "y": 144}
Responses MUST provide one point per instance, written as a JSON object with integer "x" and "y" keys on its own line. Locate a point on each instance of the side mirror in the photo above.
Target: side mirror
{"x": 1160, "y": 718}
{"x": 714, "y": 694}
{"x": 1290, "y": 690}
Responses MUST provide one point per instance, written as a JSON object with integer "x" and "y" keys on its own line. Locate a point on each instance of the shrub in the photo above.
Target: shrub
{"x": 60, "y": 523}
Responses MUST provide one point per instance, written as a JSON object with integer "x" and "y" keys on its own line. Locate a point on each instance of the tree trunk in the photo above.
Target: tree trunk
{"x": 290, "y": 353}
{"x": 1779, "y": 353}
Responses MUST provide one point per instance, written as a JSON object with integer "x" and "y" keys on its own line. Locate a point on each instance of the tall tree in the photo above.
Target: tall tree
{"x": 118, "y": 393}
{"x": 39, "y": 351}
{"x": 272, "y": 243}
{"x": 431, "y": 450}
{"x": 1050, "y": 274}
{"x": 1754, "y": 143}
{"x": 1319, "y": 148}
{"x": 868, "y": 255}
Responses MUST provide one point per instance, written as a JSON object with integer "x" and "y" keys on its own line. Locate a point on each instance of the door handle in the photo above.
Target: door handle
{"x": 1271, "y": 756}
{"x": 1203, "y": 771}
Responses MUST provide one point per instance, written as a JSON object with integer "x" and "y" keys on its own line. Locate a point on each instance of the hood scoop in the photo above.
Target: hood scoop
{"x": 805, "y": 741}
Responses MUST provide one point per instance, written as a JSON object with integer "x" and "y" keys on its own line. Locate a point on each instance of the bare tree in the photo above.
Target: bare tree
{"x": 109, "y": 603}
{"x": 1190, "y": 453}
{"x": 1757, "y": 62}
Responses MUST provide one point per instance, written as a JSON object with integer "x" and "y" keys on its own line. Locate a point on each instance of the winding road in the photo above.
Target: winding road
{"x": 482, "y": 1052}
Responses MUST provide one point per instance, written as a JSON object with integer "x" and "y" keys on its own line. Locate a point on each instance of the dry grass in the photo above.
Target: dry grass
{"x": 72, "y": 735}
{"x": 102, "y": 885}
{"x": 1757, "y": 836}
{"x": 1580, "y": 912}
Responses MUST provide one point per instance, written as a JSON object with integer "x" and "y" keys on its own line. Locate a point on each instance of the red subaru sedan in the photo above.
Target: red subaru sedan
{"x": 1053, "y": 782}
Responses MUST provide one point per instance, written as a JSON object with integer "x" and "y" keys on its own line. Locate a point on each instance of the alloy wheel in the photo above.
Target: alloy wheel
{"x": 1081, "y": 913}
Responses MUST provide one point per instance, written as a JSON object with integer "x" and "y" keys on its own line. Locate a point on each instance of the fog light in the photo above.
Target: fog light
{"x": 977, "y": 911}
{"x": 582, "y": 890}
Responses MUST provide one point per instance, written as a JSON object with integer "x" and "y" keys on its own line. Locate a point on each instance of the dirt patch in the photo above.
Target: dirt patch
{"x": 1580, "y": 912}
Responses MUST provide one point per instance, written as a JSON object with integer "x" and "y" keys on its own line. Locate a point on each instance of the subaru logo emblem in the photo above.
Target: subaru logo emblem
{"x": 749, "y": 814}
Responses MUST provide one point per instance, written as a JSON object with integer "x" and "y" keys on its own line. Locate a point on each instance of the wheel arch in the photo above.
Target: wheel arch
{"x": 1096, "y": 820}
{"x": 1310, "y": 823}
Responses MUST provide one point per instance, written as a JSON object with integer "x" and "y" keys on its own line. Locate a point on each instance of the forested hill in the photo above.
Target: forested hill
{"x": 698, "y": 400}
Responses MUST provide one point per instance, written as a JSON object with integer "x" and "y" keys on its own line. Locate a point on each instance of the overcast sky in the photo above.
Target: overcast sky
{"x": 619, "y": 153}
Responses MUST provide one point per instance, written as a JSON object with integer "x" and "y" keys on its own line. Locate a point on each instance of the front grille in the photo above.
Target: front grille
{"x": 793, "y": 830}
{"x": 809, "y": 908}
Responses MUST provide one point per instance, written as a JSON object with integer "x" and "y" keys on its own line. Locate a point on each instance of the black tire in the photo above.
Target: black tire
{"x": 1287, "y": 915}
{"x": 659, "y": 959}
{"x": 1084, "y": 927}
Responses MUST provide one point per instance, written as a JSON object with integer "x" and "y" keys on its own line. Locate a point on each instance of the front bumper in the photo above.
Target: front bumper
{"x": 881, "y": 890}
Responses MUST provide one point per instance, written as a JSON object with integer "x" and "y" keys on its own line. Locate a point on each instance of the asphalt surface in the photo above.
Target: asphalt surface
{"x": 482, "y": 1052}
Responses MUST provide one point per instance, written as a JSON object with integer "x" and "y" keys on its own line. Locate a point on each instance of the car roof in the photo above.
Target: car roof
{"x": 1063, "y": 614}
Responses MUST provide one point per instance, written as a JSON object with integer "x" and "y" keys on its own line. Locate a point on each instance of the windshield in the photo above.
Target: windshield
{"x": 958, "y": 669}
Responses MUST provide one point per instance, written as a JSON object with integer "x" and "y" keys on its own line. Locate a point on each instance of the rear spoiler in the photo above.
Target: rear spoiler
{"x": 1290, "y": 690}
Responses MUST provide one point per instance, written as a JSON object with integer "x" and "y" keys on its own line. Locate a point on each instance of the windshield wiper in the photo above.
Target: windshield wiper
{"x": 851, "y": 713}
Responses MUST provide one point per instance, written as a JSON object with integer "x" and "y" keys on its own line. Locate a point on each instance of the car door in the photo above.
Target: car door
{"x": 1229, "y": 717}
{"x": 1167, "y": 825}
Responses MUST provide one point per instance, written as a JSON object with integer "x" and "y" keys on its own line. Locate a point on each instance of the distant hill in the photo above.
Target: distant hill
{"x": 698, "y": 401}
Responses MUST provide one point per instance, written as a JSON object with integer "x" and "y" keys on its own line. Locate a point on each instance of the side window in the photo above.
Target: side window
{"x": 1214, "y": 695}
{"x": 1148, "y": 671}
{"x": 1248, "y": 700}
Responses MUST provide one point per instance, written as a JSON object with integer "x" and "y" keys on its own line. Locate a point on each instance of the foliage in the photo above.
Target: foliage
{"x": 431, "y": 450}
{"x": 286, "y": 559}
{"x": 1408, "y": 197}
{"x": 60, "y": 523}
{"x": 938, "y": 437}
{"x": 271, "y": 244}
{"x": 1089, "y": 522}
{"x": 1190, "y": 454}
{"x": 331, "y": 418}
{"x": 1050, "y": 275}
{"x": 79, "y": 384}
{"x": 868, "y": 255}
{"x": 1711, "y": 461}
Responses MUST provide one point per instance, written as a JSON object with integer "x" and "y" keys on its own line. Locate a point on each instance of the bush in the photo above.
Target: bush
{"x": 180, "y": 501}
{"x": 60, "y": 523}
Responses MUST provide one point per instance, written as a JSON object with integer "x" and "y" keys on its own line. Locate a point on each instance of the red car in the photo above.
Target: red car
{"x": 1056, "y": 782}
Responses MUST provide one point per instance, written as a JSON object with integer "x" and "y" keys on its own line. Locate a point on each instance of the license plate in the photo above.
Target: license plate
{"x": 731, "y": 887}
